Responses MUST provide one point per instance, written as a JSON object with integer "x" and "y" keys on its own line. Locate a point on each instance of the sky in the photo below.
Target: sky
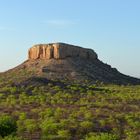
{"x": 110, "y": 27}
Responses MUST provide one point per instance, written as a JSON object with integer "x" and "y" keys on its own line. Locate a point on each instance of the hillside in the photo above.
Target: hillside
{"x": 55, "y": 110}
{"x": 64, "y": 92}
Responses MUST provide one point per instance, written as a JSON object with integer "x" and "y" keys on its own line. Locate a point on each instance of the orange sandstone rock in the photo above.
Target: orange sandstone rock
{"x": 60, "y": 51}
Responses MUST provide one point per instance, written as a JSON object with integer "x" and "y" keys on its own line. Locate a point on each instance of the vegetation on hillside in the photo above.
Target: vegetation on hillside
{"x": 60, "y": 111}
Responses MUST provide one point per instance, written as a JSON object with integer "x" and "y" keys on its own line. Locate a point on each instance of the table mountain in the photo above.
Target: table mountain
{"x": 60, "y": 61}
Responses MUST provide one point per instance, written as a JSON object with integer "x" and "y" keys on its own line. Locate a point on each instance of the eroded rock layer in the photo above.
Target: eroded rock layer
{"x": 60, "y": 51}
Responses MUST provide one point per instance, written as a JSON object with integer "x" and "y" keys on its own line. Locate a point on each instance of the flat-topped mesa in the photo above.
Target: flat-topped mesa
{"x": 60, "y": 51}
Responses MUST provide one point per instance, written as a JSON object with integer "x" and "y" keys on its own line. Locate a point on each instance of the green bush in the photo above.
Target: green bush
{"x": 86, "y": 126}
{"x": 64, "y": 134}
{"x": 7, "y": 126}
{"x": 102, "y": 136}
{"x": 49, "y": 127}
{"x": 30, "y": 125}
{"x": 10, "y": 137}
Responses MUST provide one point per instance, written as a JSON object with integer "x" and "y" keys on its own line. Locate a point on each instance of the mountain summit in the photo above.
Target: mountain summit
{"x": 60, "y": 61}
{"x": 60, "y": 51}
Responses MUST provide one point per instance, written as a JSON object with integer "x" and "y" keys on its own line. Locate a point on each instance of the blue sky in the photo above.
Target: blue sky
{"x": 110, "y": 27}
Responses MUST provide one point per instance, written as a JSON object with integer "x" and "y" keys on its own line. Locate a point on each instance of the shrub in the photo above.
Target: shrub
{"x": 64, "y": 134}
{"x": 31, "y": 125}
{"x": 86, "y": 126}
{"x": 7, "y": 126}
{"x": 102, "y": 136}
{"x": 10, "y": 137}
{"x": 49, "y": 127}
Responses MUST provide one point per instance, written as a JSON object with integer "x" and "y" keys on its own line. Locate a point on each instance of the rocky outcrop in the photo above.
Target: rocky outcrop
{"x": 60, "y": 51}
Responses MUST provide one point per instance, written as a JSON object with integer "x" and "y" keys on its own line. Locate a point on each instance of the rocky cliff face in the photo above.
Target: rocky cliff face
{"x": 60, "y": 51}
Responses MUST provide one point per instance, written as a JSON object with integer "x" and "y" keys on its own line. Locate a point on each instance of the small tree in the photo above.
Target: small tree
{"x": 8, "y": 126}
